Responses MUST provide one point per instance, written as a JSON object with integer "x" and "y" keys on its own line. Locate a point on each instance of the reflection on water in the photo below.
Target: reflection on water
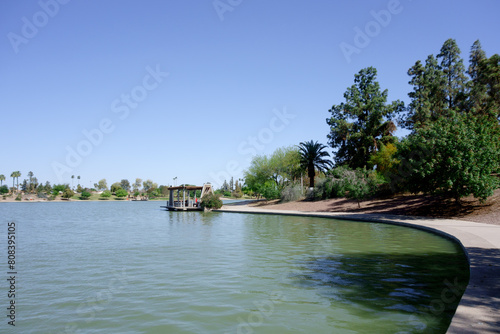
{"x": 129, "y": 267}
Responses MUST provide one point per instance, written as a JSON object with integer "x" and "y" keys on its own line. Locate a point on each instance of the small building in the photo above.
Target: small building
{"x": 183, "y": 198}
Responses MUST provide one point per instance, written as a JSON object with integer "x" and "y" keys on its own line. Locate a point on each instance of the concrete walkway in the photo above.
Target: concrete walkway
{"x": 479, "y": 308}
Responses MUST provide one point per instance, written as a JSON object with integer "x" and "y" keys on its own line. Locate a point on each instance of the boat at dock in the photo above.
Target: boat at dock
{"x": 186, "y": 197}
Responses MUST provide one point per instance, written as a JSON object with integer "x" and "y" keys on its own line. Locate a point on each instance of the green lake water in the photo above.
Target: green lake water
{"x": 130, "y": 267}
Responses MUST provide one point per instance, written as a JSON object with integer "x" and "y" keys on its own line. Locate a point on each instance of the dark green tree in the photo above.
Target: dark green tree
{"x": 68, "y": 193}
{"x": 428, "y": 96}
{"x": 106, "y": 194}
{"x": 115, "y": 187}
{"x": 121, "y": 193}
{"x": 313, "y": 158}
{"x": 452, "y": 66}
{"x": 358, "y": 126}
{"x": 102, "y": 185}
{"x": 85, "y": 195}
{"x": 125, "y": 184}
{"x": 488, "y": 80}
{"x": 455, "y": 156}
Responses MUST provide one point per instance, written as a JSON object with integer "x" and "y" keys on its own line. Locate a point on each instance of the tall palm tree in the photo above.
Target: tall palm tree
{"x": 18, "y": 173}
{"x": 312, "y": 158}
{"x": 2, "y": 178}
{"x": 72, "y": 179}
{"x": 15, "y": 175}
{"x": 30, "y": 174}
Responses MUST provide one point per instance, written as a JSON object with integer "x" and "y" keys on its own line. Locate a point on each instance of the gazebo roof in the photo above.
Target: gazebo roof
{"x": 185, "y": 187}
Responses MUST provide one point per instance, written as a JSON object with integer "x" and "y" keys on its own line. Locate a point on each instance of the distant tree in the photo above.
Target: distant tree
{"x": 72, "y": 179}
{"x": 477, "y": 89}
{"x": 30, "y": 175}
{"x": 231, "y": 184}
{"x": 2, "y": 178}
{"x": 115, "y": 187}
{"x": 270, "y": 174}
{"x": 285, "y": 165}
{"x": 15, "y": 175}
{"x": 428, "y": 100}
{"x": 121, "y": 193}
{"x": 146, "y": 185}
{"x": 47, "y": 187}
{"x": 312, "y": 158}
{"x": 85, "y": 195}
{"x": 4, "y": 189}
{"x": 34, "y": 184}
{"x": 78, "y": 177}
{"x": 455, "y": 82}
{"x": 106, "y": 194}
{"x": 225, "y": 186}
{"x": 164, "y": 190}
{"x": 487, "y": 86}
{"x": 80, "y": 189}
{"x": 59, "y": 188}
{"x": 137, "y": 184}
{"x": 102, "y": 185}
{"x": 363, "y": 122}
{"x": 68, "y": 193}
{"x": 125, "y": 184}
{"x": 25, "y": 186}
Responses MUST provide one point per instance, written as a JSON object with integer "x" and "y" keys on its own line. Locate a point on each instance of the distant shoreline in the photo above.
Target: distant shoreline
{"x": 34, "y": 199}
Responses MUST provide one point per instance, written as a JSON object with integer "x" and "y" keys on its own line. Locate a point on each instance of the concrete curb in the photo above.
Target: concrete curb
{"x": 479, "y": 308}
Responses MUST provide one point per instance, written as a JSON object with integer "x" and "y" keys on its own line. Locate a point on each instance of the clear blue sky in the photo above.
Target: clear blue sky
{"x": 184, "y": 89}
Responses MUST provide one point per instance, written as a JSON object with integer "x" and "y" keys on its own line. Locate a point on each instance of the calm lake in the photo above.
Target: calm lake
{"x": 130, "y": 267}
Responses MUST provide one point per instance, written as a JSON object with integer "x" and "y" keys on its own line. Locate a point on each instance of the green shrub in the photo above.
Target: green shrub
{"x": 121, "y": 193}
{"x": 85, "y": 195}
{"x": 211, "y": 201}
{"x": 19, "y": 197}
{"x": 59, "y": 187}
{"x": 68, "y": 193}
{"x": 4, "y": 189}
{"x": 270, "y": 191}
{"x": 106, "y": 194}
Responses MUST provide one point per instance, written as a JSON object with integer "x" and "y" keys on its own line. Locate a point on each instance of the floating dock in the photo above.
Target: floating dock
{"x": 186, "y": 199}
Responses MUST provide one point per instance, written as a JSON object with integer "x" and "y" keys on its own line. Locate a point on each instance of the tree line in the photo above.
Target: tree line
{"x": 453, "y": 147}
{"x": 143, "y": 189}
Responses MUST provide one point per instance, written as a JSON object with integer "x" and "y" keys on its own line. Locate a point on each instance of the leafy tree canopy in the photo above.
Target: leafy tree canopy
{"x": 363, "y": 122}
{"x": 455, "y": 156}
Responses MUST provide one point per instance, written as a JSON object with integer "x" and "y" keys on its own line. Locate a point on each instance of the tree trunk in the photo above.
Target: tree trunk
{"x": 311, "y": 177}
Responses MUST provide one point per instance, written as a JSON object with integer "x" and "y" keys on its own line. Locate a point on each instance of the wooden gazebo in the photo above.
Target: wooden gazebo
{"x": 185, "y": 199}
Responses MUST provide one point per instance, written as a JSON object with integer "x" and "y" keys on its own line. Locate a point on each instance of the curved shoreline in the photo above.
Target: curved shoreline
{"x": 477, "y": 311}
